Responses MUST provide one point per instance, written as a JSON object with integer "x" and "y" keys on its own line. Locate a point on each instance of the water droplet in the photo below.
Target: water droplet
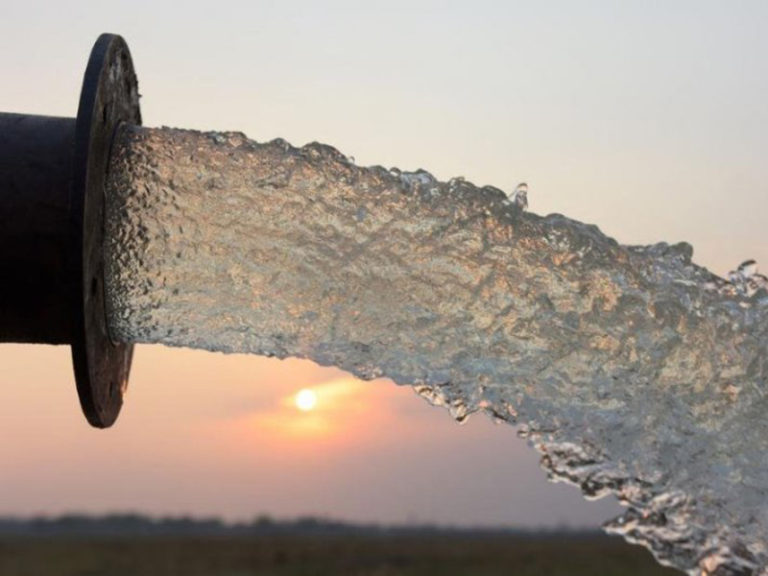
{"x": 417, "y": 179}
{"x": 281, "y": 144}
{"x": 745, "y": 280}
{"x": 748, "y": 268}
{"x": 520, "y": 196}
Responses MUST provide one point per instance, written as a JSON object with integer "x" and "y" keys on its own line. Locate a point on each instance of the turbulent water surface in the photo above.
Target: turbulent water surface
{"x": 631, "y": 369}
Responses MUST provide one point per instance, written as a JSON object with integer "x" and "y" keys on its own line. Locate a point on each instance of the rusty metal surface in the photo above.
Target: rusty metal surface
{"x": 109, "y": 97}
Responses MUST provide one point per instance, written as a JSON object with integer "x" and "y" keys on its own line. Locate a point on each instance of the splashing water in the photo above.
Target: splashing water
{"x": 745, "y": 280}
{"x": 520, "y": 196}
{"x": 631, "y": 369}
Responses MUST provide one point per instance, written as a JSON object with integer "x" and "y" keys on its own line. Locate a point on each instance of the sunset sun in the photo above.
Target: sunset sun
{"x": 306, "y": 400}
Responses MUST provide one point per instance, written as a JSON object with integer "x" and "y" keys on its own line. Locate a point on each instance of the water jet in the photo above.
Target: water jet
{"x": 630, "y": 368}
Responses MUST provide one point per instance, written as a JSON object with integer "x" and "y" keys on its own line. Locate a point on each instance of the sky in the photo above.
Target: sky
{"x": 648, "y": 119}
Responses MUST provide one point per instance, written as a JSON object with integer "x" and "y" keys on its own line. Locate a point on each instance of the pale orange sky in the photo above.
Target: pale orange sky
{"x": 207, "y": 433}
{"x": 646, "y": 119}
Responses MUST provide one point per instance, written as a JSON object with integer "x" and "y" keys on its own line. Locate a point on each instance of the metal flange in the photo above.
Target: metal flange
{"x": 52, "y": 206}
{"x": 109, "y": 97}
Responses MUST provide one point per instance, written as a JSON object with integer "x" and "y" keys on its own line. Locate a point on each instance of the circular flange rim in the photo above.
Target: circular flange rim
{"x": 108, "y": 98}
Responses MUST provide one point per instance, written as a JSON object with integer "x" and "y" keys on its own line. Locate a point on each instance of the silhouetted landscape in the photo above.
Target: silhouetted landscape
{"x": 138, "y": 545}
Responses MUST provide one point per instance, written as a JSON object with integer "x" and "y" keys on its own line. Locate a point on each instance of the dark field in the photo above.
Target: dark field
{"x": 320, "y": 555}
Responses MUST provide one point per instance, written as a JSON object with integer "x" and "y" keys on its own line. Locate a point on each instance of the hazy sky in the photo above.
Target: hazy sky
{"x": 646, "y": 118}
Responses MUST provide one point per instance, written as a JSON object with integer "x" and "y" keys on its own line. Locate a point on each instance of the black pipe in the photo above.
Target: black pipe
{"x": 52, "y": 193}
{"x": 36, "y": 161}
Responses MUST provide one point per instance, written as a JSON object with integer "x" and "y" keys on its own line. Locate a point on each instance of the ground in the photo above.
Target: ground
{"x": 320, "y": 555}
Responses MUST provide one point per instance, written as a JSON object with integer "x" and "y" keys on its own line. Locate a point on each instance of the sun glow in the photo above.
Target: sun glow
{"x": 306, "y": 400}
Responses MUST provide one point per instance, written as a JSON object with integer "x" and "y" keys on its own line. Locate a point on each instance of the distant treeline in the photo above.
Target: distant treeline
{"x": 138, "y": 524}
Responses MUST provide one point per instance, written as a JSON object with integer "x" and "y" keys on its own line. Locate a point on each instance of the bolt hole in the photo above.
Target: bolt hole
{"x": 94, "y": 286}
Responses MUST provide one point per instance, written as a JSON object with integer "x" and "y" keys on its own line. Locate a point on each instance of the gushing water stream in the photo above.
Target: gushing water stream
{"x": 631, "y": 369}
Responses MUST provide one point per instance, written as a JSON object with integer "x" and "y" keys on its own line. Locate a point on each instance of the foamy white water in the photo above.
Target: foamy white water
{"x": 631, "y": 369}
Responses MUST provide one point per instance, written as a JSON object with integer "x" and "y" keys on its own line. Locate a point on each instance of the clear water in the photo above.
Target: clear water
{"x": 631, "y": 369}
